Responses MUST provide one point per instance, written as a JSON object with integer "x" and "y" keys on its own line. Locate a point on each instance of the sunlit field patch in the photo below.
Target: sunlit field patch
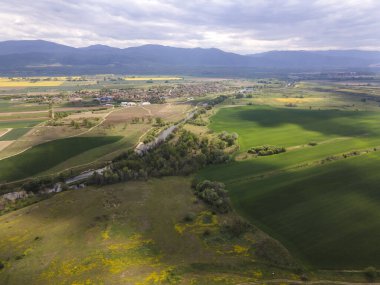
{"x": 30, "y": 82}
{"x": 152, "y": 78}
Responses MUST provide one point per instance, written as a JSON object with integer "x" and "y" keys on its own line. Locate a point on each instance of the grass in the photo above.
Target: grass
{"x": 7, "y": 106}
{"x": 19, "y": 123}
{"x": 287, "y": 127}
{"x": 329, "y": 215}
{"x": 47, "y": 155}
{"x": 119, "y": 234}
{"x": 322, "y": 213}
{"x": 14, "y": 134}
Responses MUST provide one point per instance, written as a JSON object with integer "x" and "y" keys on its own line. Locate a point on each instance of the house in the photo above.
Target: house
{"x": 126, "y": 104}
{"x": 105, "y": 99}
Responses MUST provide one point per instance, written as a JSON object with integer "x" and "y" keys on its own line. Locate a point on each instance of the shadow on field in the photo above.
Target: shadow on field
{"x": 329, "y": 215}
{"x": 343, "y": 123}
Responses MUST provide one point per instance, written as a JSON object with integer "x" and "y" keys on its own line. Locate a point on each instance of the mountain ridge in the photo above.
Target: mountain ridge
{"x": 24, "y": 56}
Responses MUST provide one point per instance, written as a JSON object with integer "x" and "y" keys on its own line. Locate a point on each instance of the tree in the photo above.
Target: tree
{"x": 159, "y": 121}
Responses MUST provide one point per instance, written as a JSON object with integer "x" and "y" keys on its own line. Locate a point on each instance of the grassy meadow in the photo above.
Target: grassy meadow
{"x": 326, "y": 213}
{"x": 121, "y": 234}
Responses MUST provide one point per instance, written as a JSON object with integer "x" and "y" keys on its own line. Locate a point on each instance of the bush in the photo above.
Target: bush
{"x": 206, "y": 233}
{"x": 235, "y": 228}
{"x": 266, "y": 150}
{"x": 312, "y": 143}
{"x": 370, "y": 273}
{"x": 214, "y": 194}
{"x": 2, "y": 265}
{"x": 230, "y": 139}
{"x": 189, "y": 217}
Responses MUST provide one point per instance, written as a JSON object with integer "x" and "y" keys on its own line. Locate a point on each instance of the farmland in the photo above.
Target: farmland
{"x": 152, "y": 78}
{"x": 47, "y": 155}
{"x": 311, "y": 200}
{"x": 14, "y": 134}
{"x": 296, "y": 196}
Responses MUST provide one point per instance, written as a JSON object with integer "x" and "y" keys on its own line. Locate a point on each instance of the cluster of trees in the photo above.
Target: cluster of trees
{"x": 159, "y": 122}
{"x": 157, "y": 100}
{"x": 61, "y": 115}
{"x": 265, "y": 150}
{"x": 230, "y": 139}
{"x": 217, "y": 100}
{"x": 181, "y": 156}
{"x": 54, "y": 123}
{"x": 37, "y": 184}
{"x": 197, "y": 119}
{"x": 152, "y": 134}
{"x": 136, "y": 120}
{"x": 214, "y": 194}
{"x": 86, "y": 123}
{"x": 197, "y": 122}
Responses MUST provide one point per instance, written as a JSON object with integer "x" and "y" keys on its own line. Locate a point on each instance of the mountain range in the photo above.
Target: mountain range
{"x": 34, "y": 57}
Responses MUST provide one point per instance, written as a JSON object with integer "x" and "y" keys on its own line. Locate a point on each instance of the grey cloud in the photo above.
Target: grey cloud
{"x": 240, "y": 26}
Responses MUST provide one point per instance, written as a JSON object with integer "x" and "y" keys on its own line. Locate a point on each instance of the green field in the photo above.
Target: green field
{"x": 19, "y": 124}
{"x": 9, "y": 106}
{"x": 326, "y": 214}
{"x": 47, "y": 155}
{"x": 14, "y": 134}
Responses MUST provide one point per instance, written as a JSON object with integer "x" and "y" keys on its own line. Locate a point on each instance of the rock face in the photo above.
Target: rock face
{"x": 13, "y": 196}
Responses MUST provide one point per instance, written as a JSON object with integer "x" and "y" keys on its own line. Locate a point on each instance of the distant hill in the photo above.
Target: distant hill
{"x": 318, "y": 59}
{"x": 37, "y": 56}
{"x": 35, "y": 46}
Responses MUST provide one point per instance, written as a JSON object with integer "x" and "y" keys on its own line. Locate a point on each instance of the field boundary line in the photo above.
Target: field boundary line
{"x": 72, "y": 136}
{"x": 304, "y": 165}
{"x": 7, "y": 131}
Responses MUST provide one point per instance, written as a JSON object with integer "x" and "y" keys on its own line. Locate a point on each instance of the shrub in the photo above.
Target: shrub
{"x": 189, "y": 217}
{"x": 214, "y": 194}
{"x": 266, "y": 150}
{"x": 230, "y": 139}
{"x": 312, "y": 143}
{"x": 235, "y": 228}
{"x": 2, "y": 265}
{"x": 206, "y": 233}
{"x": 370, "y": 273}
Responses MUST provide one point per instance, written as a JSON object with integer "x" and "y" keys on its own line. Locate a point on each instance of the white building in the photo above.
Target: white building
{"x": 126, "y": 104}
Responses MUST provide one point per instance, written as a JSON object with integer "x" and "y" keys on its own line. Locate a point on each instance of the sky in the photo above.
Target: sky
{"x": 243, "y": 27}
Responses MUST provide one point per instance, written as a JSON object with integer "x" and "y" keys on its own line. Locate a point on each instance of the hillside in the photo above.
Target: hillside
{"x": 38, "y": 57}
{"x": 131, "y": 233}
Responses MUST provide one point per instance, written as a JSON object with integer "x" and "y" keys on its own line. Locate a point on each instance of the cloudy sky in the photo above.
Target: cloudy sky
{"x": 239, "y": 26}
